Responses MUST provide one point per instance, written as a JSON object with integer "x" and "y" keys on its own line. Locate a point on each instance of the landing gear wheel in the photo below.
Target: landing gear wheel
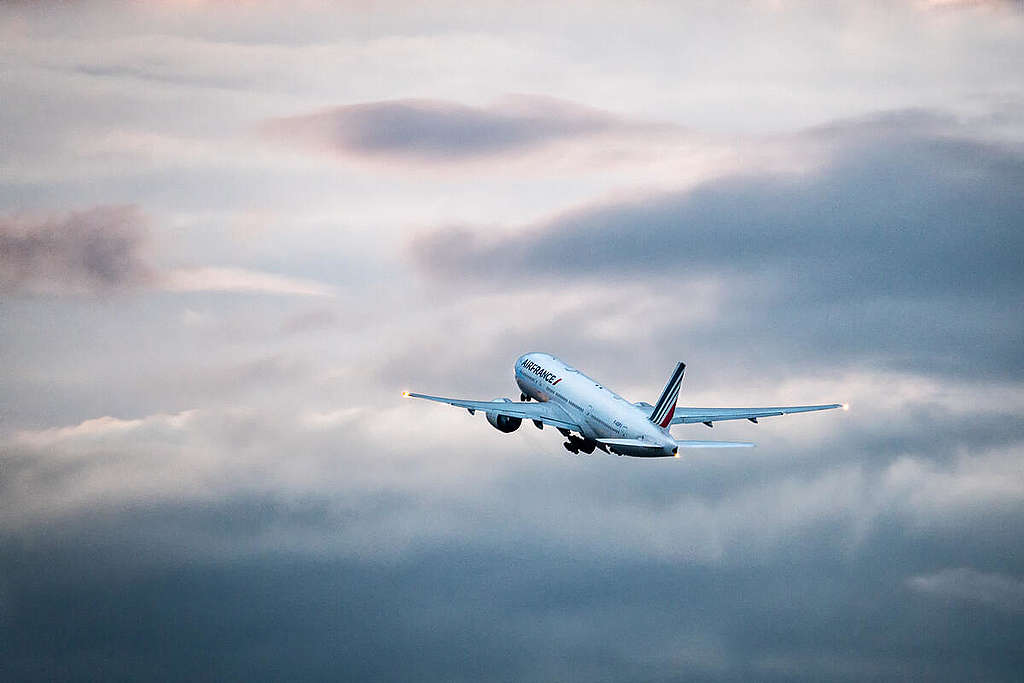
{"x": 571, "y": 447}
{"x": 577, "y": 444}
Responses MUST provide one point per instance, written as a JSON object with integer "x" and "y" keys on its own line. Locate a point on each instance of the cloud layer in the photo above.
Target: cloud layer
{"x": 779, "y": 566}
{"x": 918, "y": 211}
{"x": 901, "y": 228}
{"x": 206, "y": 468}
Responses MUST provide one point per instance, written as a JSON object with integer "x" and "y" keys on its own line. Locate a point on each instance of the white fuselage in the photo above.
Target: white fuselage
{"x": 600, "y": 412}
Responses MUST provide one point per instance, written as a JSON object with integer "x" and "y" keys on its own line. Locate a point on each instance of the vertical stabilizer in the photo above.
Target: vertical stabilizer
{"x": 666, "y": 405}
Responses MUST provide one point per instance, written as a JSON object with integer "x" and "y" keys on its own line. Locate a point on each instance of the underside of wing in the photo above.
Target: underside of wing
{"x": 711, "y": 415}
{"x": 545, "y": 412}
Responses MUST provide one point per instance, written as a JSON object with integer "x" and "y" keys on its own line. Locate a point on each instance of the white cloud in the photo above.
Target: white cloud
{"x": 213, "y": 279}
{"x": 973, "y": 485}
{"x": 102, "y": 427}
{"x": 332, "y": 418}
{"x": 970, "y": 585}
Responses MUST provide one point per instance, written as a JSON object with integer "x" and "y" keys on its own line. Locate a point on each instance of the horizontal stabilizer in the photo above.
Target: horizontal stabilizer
{"x": 631, "y": 443}
{"x": 715, "y": 444}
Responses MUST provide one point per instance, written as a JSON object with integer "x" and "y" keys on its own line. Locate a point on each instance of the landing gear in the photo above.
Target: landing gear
{"x": 524, "y": 397}
{"x": 575, "y": 444}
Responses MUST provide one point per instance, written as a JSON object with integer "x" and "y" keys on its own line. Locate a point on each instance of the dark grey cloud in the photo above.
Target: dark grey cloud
{"x": 903, "y": 214}
{"x": 236, "y": 544}
{"x": 440, "y": 131}
{"x": 103, "y": 249}
{"x": 98, "y": 249}
{"x": 909, "y": 238}
{"x": 128, "y": 590}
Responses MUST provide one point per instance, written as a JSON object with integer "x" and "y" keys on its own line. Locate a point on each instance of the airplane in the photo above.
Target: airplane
{"x": 557, "y": 394}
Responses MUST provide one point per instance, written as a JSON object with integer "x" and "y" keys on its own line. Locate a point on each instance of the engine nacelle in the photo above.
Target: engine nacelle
{"x": 504, "y": 423}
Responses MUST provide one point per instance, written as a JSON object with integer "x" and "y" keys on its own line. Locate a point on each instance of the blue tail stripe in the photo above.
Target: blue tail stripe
{"x": 669, "y": 395}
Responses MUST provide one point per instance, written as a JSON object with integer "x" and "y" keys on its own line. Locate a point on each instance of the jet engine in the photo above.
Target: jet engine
{"x": 504, "y": 423}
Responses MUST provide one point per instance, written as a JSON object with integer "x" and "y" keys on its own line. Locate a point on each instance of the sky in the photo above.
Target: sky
{"x": 232, "y": 233}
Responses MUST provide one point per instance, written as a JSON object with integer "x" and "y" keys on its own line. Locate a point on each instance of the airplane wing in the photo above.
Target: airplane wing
{"x": 711, "y": 415}
{"x": 545, "y": 412}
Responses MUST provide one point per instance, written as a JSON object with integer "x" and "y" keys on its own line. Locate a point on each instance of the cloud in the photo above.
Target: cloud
{"x": 902, "y": 229}
{"x": 240, "y": 280}
{"x": 916, "y": 211}
{"x": 963, "y": 4}
{"x": 103, "y": 249}
{"x": 238, "y": 492}
{"x": 343, "y": 453}
{"x": 966, "y": 584}
{"x": 437, "y": 131}
{"x": 98, "y": 249}
{"x": 403, "y": 534}
{"x": 100, "y": 428}
{"x": 315, "y": 320}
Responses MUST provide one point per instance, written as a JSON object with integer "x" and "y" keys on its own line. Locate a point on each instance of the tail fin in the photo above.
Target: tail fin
{"x": 666, "y": 405}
